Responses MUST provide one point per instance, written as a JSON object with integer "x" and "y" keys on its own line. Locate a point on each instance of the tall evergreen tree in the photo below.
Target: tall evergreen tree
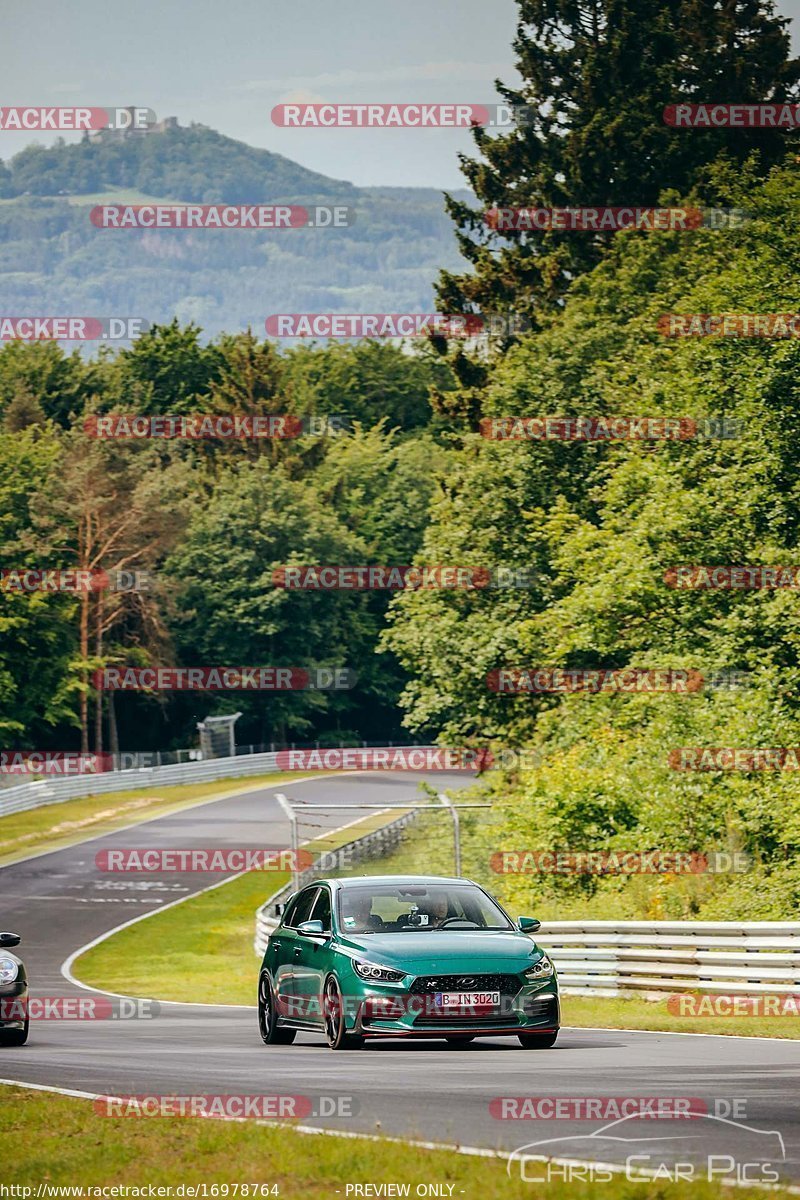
{"x": 596, "y": 78}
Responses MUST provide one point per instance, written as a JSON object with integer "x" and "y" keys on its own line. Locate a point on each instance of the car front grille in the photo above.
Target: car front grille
{"x": 506, "y": 985}
{"x": 458, "y": 1020}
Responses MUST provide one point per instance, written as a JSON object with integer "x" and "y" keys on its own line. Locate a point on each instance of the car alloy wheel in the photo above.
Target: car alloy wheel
{"x": 271, "y": 1035}
{"x": 335, "y": 1028}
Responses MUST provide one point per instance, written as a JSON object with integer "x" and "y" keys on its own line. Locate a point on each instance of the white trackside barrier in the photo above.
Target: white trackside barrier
{"x": 611, "y": 958}
{"x": 52, "y": 790}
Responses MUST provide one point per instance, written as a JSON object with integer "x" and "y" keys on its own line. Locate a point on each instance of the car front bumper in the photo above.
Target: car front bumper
{"x": 14, "y": 1004}
{"x": 381, "y": 1011}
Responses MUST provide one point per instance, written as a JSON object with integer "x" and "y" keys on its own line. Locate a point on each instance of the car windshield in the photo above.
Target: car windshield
{"x": 406, "y": 908}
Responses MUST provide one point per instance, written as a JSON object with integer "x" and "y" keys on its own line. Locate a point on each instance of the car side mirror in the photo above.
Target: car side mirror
{"x": 278, "y": 909}
{"x": 9, "y": 939}
{"x": 310, "y": 928}
{"x": 528, "y": 924}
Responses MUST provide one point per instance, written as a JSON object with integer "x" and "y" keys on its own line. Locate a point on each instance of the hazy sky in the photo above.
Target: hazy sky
{"x": 225, "y": 63}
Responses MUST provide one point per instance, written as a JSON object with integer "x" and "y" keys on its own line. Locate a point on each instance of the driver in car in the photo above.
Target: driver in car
{"x": 437, "y": 908}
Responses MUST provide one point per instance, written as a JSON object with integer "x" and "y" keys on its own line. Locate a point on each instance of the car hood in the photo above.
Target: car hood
{"x": 443, "y": 951}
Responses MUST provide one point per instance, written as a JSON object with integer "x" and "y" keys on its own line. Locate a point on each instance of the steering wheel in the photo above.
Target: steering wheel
{"x": 462, "y": 920}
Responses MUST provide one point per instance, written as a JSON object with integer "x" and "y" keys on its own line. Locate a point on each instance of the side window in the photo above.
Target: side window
{"x": 288, "y": 912}
{"x": 322, "y": 909}
{"x": 302, "y": 908}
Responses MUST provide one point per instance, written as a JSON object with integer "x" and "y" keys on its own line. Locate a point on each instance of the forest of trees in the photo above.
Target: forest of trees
{"x": 411, "y": 479}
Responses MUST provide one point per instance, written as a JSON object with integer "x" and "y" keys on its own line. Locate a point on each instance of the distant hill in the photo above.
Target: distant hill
{"x": 54, "y": 261}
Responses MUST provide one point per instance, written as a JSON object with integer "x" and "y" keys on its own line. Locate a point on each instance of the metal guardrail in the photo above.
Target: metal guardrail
{"x": 54, "y": 791}
{"x": 374, "y": 844}
{"x": 611, "y": 958}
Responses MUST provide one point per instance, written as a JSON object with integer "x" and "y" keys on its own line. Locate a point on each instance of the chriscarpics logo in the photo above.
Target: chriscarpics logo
{"x": 705, "y": 1147}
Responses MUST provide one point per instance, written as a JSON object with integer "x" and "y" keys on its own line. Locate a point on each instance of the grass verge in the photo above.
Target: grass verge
{"x": 62, "y": 1141}
{"x": 54, "y": 826}
{"x": 626, "y": 1012}
{"x": 182, "y": 959}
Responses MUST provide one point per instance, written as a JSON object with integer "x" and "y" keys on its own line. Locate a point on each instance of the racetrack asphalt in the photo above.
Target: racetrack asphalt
{"x": 61, "y": 900}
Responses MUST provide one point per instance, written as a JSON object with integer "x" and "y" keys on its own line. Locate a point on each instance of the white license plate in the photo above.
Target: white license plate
{"x": 467, "y": 999}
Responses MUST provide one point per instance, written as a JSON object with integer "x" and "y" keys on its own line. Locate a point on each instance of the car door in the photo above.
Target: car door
{"x": 283, "y": 946}
{"x": 311, "y": 954}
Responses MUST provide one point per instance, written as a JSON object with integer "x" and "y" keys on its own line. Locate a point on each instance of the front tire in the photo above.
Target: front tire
{"x": 15, "y": 1037}
{"x": 537, "y": 1041}
{"x": 335, "y": 1028}
{"x": 271, "y": 1034}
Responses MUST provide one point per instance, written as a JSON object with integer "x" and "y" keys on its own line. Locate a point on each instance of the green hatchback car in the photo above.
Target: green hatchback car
{"x": 404, "y": 956}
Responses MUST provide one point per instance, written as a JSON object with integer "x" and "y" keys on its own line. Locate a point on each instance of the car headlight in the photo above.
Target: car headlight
{"x": 368, "y": 970}
{"x": 9, "y": 970}
{"x": 542, "y": 969}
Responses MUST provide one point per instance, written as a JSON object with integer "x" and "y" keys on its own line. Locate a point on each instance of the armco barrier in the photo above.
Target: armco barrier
{"x": 374, "y": 844}
{"x": 52, "y": 790}
{"x": 611, "y": 958}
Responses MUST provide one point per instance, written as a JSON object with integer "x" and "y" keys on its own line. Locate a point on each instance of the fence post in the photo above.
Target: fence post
{"x": 447, "y": 802}
{"x": 291, "y": 814}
